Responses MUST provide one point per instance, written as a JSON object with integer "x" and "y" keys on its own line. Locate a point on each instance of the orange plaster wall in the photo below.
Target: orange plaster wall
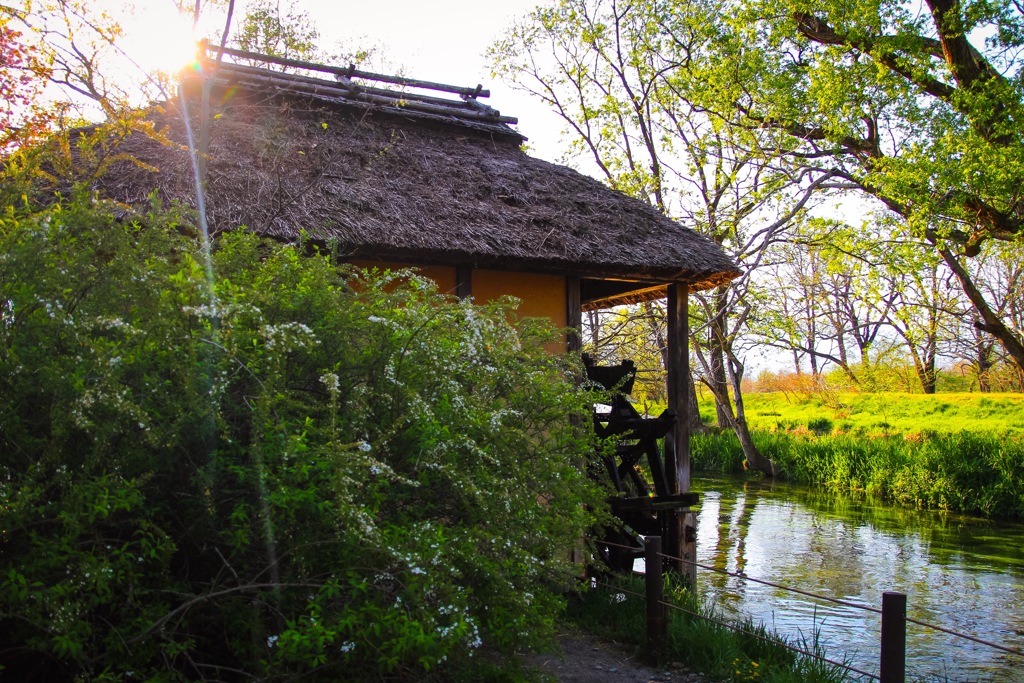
{"x": 543, "y": 296}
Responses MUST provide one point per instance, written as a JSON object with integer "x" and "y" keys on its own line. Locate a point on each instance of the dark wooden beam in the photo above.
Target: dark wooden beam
{"x": 573, "y": 315}
{"x": 463, "y": 281}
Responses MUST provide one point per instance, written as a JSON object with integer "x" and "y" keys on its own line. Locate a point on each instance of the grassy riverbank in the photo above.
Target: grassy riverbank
{"x": 972, "y": 473}
{"x": 613, "y": 610}
{"x": 958, "y": 452}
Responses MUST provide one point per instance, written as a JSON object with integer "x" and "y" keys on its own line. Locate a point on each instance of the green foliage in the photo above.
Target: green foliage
{"x": 270, "y": 29}
{"x": 932, "y": 133}
{"x": 753, "y": 653}
{"x": 716, "y": 452}
{"x": 957, "y": 452}
{"x": 290, "y": 469}
{"x": 723, "y": 114}
{"x": 22, "y": 76}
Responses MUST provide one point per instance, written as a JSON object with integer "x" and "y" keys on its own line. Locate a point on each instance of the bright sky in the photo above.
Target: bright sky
{"x": 445, "y": 41}
{"x": 440, "y": 40}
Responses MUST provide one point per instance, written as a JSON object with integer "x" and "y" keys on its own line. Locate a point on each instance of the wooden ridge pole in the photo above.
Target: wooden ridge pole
{"x": 352, "y": 72}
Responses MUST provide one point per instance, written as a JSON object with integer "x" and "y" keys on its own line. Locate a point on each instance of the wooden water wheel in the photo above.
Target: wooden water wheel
{"x": 643, "y": 502}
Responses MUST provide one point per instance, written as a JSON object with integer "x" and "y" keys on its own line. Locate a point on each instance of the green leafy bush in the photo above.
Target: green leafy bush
{"x": 285, "y": 469}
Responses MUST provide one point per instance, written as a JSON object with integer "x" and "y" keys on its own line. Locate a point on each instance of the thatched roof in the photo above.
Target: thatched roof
{"x": 399, "y": 176}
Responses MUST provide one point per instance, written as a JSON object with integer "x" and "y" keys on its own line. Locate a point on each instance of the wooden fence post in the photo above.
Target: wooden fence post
{"x": 689, "y": 544}
{"x": 894, "y": 637}
{"x": 657, "y": 615}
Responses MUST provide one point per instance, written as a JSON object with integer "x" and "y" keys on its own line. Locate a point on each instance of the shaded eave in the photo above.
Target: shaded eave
{"x": 600, "y": 288}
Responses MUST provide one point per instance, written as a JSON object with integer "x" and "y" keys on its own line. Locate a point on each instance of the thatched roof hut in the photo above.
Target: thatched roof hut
{"x": 402, "y": 177}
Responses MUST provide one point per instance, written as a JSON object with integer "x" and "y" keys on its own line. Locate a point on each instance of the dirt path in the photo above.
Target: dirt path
{"x": 585, "y": 659}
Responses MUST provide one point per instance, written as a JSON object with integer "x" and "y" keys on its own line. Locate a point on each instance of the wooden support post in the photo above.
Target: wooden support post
{"x": 574, "y": 344}
{"x": 681, "y": 527}
{"x": 463, "y": 281}
{"x": 573, "y": 315}
{"x": 894, "y": 637}
{"x": 678, "y": 380}
{"x": 657, "y": 614}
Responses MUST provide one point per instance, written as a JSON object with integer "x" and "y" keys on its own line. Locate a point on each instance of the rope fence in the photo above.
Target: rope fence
{"x": 893, "y": 613}
{"x": 741, "y": 575}
{"x": 738, "y": 629}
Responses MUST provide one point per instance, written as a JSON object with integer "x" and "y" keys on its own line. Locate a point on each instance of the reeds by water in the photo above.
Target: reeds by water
{"x": 961, "y": 472}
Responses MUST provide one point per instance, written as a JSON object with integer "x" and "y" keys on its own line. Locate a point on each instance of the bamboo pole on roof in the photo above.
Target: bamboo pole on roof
{"x": 352, "y": 72}
{"x": 312, "y": 86}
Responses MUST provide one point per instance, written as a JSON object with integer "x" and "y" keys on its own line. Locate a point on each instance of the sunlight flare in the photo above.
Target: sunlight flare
{"x": 159, "y": 38}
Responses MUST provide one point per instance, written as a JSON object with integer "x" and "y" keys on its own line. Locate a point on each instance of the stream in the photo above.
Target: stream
{"x": 961, "y": 573}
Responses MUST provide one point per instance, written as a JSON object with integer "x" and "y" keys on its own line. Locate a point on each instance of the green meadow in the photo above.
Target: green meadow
{"x": 889, "y": 413}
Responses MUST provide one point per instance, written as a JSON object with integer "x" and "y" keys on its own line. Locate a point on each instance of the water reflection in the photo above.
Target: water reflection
{"x": 962, "y": 573}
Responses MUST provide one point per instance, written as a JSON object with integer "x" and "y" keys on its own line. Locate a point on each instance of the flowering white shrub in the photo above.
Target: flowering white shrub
{"x": 283, "y": 472}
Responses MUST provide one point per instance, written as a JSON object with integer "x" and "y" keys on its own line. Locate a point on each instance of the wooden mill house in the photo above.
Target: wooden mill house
{"x": 392, "y": 177}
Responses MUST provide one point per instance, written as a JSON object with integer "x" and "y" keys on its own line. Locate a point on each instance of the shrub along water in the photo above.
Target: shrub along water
{"x": 293, "y": 470}
{"x": 961, "y": 472}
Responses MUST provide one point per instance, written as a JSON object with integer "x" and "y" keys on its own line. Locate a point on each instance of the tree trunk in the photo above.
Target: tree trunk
{"x": 924, "y": 368}
{"x": 720, "y": 385}
{"x": 718, "y": 380}
{"x": 696, "y": 425}
{"x": 754, "y": 459}
{"x": 991, "y": 322}
{"x": 931, "y": 378}
{"x": 865, "y": 354}
{"x": 594, "y": 317}
{"x": 841, "y": 343}
{"x": 984, "y": 361}
{"x": 926, "y": 373}
{"x": 812, "y": 337}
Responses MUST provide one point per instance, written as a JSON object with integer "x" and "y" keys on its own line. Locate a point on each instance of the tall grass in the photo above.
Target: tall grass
{"x": 963, "y": 472}
{"x": 752, "y": 653}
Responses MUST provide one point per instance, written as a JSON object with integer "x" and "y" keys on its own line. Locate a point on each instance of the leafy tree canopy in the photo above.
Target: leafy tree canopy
{"x": 919, "y": 106}
{"x": 916, "y": 106}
